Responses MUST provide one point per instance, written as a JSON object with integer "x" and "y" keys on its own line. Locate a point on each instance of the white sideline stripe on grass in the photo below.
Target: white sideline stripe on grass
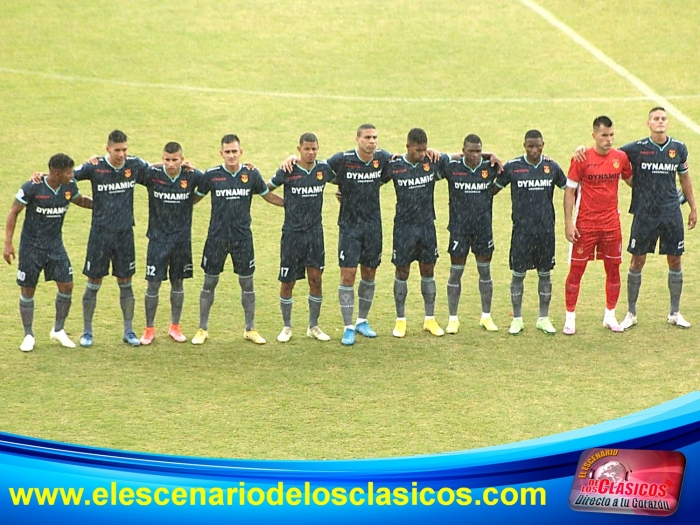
{"x": 617, "y": 68}
{"x": 276, "y": 94}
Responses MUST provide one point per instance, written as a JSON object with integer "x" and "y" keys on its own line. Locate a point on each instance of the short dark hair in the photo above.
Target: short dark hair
{"x": 308, "y": 137}
{"x": 61, "y": 161}
{"x": 364, "y": 127}
{"x": 172, "y": 147}
{"x": 533, "y": 134}
{"x": 417, "y": 136}
{"x": 471, "y": 139}
{"x": 602, "y": 121}
{"x": 228, "y": 139}
{"x": 117, "y": 137}
{"x": 657, "y": 108}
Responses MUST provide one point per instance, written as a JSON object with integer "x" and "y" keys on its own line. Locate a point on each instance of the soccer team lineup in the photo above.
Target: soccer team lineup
{"x": 653, "y": 167}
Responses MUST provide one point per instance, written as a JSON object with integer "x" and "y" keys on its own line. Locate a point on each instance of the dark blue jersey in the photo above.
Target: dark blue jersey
{"x": 414, "y": 185}
{"x": 170, "y": 203}
{"x": 113, "y": 192}
{"x": 46, "y": 209}
{"x": 231, "y": 196}
{"x": 531, "y": 193}
{"x": 654, "y": 168}
{"x": 359, "y": 183}
{"x": 303, "y": 195}
{"x": 471, "y": 196}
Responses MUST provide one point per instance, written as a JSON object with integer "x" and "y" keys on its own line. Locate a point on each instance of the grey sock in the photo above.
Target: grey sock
{"x": 286, "y": 307}
{"x": 365, "y": 295}
{"x": 89, "y": 303}
{"x": 315, "y": 308}
{"x": 151, "y": 302}
{"x": 428, "y": 291}
{"x": 63, "y": 302}
{"x": 454, "y": 288}
{"x": 634, "y": 283}
{"x": 126, "y": 301}
{"x": 517, "y": 287}
{"x": 400, "y": 292}
{"x": 544, "y": 287}
{"x": 177, "y": 299}
{"x": 206, "y": 299}
{"x": 485, "y": 286}
{"x": 346, "y": 297}
{"x": 26, "y": 312}
{"x": 248, "y": 300}
{"x": 675, "y": 286}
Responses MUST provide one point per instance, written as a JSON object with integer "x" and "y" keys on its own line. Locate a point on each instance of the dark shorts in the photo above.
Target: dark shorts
{"x": 360, "y": 246}
{"x": 299, "y": 250}
{"x": 606, "y": 245}
{"x": 414, "y": 243}
{"x": 105, "y": 247}
{"x": 532, "y": 251}
{"x": 55, "y": 264}
{"x": 164, "y": 256}
{"x": 479, "y": 243}
{"x": 242, "y": 255}
{"x": 648, "y": 229}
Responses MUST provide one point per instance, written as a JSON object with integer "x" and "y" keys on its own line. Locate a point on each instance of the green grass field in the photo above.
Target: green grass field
{"x": 191, "y": 71}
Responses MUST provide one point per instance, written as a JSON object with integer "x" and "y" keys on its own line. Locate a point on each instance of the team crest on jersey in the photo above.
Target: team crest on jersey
{"x": 375, "y": 163}
{"x": 484, "y": 174}
{"x": 319, "y": 175}
{"x": 127, "y": 173}
{"x": 546, "y": 169}
{"x": 67, "y": 195}
{"x": 672, "y": 153}
{"x": 183, "y": 184}
{"x": 426, "y": 166}
{"x": 579, "y": 250}
{"x": 244, "y": 178}
{"x": 616, "y": 163}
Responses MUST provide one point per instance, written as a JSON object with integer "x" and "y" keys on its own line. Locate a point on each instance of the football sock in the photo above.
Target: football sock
{"x": 151, "y": 302}
{"x": 365, "y": 295}
{"x": 544, "y": 288}
{"x": 485, "y": 285}
{"x": 428, "y": 291}
{"x": 517, "y": 287}
{"x": 63, "y": 302}
{"x": 454, "y": 288}
{"x": 612, "y": 284}
{"x": 206, "y": 299}
{"x": 675, "y": 286}
{"x": 634, "y": 282}
{"x": 248, "y": 300}
{"x": 286, "y": 308}
{"x": 573, "y": 285}
{"x": 346, "y": 297}
{"x": 400, "y": 291}
{"x": 26, "y": 312}
{"x": 177, "y": 299}
{"x": 315, "y": 308}
{"x": 89, "y": 303}
{"x": 126, "y": 301}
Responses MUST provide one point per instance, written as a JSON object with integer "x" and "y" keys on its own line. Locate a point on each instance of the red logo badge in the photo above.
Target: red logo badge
{"x": 672, "y": 153}
{"x": 67, "y": 195}
{"x": 183, "y": 184}
{"x": 616, "y": 163}
{"x": 127, "y": 173}
{"x": 426, "y": 166}
{"x": 244, "y": 178}
{"x": 319, "y": 175}
{"x": 484, "y": 174}
{"x": 546, "y": 169}
{"x": 375, "y": 163}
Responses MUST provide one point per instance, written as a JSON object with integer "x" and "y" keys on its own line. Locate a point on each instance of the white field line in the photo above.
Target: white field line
{"x": 643, "y": 88}
{"x": 278, "y": 94}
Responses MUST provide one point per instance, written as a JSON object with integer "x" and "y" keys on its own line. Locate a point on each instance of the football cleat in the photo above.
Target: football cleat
{"x": 488, "y": 324}
{"x": 285, "y": 334}
{"x": 629, "y": 321}
{"x": 86, "y": 339}
{"x": 348, "y": 337}
{"x": 27, "y": 344}
{"x": 544, "y": 324}
{"x": 363, "y": 328}
{"x": 254, "y": 336}
{"x": 432, "y": 326}
{"x": 62, "y": 337}
{"x": 199, "y": 337}
{"x": 678, "y": 320}
{"x": 315, "y": 332}
{"x": 452, "y": 326}
{"x": 149, "y": 334}
{"x": 131, "y": 339}
{"x": 516, "y": 326}
{"x": 176, "y": 334}
{"x": 611, "y": 323}
{"x": 399, "y": 328}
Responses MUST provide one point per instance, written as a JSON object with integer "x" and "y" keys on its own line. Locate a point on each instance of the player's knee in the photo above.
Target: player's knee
{"x": 674, "y": 263}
